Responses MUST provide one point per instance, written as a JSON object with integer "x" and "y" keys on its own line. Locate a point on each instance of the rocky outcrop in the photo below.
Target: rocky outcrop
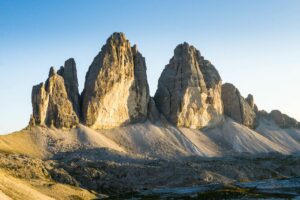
{"x": 116, "y": 92}
{"x": 236, "y": 107}
{"x": 51, "y": 105}
{"x": 283, "y": 120}
{"x": 39, "y": 99}
{"x": 116, "y": 89}
{"x": 153, "y": 113}
{"x": 189, "y": 90}
{"x": 69, "y": 73}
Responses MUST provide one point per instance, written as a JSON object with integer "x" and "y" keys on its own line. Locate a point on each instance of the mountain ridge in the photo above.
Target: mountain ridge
{"x": 115, "y": 138}
{"x": 190, "y": 95}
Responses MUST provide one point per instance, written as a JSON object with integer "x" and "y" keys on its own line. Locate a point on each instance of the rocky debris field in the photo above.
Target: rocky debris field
{"x": 104, "y": 172}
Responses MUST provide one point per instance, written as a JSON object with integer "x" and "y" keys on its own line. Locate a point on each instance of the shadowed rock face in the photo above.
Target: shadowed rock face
{"x": 153, "y": 113}
{"x": 235, "y": 106}
{"x": 116, "y": 90}
{"x": 51, "y": 105}
{"x": 69, "y": 73}
{"x": 189, "y": 90}
{"x": 283, "y": 120}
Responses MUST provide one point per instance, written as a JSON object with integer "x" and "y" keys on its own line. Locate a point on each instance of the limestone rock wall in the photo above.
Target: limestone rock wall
{"x": 69, "y": 73}
{"x": 39, "y": 99}
{"x": 51, "y": 105}
{"x": 235, "y": 106}
{"x": 116, "y": 90}
{"x": 189, "y": 90}
{"x": 283, "y": 120}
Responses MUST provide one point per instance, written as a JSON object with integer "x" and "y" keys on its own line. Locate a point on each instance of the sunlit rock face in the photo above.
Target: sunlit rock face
{"x": 39, "y": 98}
{"x": 116, "y": 90}
{"x": 189, "y": 90}
{"x": 235, "y": 106}
{"x": 51, "y": 105}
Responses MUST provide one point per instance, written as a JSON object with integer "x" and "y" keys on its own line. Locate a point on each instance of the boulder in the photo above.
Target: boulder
{"x": 189, "y": 90}
{"x": 236, "y": 107}
{"x": 116, "y": 90}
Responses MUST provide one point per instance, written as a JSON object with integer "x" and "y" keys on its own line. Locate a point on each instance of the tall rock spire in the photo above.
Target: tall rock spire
{"x": 116, "y": 90}
{"x": 237, "y": 107}
{"x": 51, "y": 105}
{"x": 69, "y": 73}
{"x": 189, "y": 90}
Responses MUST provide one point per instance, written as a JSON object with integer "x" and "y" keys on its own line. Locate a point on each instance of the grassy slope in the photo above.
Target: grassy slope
{"x": 20, "y": 189}
{"x": 27, "y": 142}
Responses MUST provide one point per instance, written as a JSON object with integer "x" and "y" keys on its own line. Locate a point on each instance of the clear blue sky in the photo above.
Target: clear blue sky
{"x": 254, "y": 44}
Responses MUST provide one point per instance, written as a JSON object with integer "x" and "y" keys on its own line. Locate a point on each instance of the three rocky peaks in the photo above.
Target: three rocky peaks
{"x": 116, "y": 92}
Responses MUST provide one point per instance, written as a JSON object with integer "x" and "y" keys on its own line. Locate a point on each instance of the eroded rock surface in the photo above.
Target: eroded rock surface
{"x": 51, "y": 105}
{"x": 39, "y": 99}
{"x": 283, "y": 120}
{"x": 116, "y": 92}
{"x": 116, "y": 89}
{"x": 189, "y": 90}
{"x": 236, "y": 107}
{"x": 153, "y": 113}
{"x": 69, "y": 73}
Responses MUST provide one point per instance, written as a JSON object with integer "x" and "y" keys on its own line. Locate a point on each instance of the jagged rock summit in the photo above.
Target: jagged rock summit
{"x": 189, "y": 90}
{"x": 280, "y": 119}
{"x": 116, "y": 90}
{"x": 51, "y": 104}
{"x": 237, "y": 107}
{"x": 283, "y": 120}
{"x": 69, "y": 73}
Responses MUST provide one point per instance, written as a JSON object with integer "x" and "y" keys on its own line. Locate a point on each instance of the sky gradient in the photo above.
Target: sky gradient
{"x": 253, "y": 44}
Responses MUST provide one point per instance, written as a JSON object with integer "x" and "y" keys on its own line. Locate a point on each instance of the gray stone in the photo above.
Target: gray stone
{"x": 283, "y": 120}
{"x": 153, "y": 113}
{"x": 189, "y": 90}
{"x": 69, "y": 73}
{"x": 51, "y": 105}
{"x": 236, "y": 107}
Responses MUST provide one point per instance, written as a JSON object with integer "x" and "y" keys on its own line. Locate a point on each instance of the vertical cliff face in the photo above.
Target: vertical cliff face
{"x": 51, "y": 104}
{"x": 39, "y": 99}
{"x": 235, "y": 106}
{"x": 116, "y": 90}
{"x": 69, "y": 74}
{"x": 189, "y": 90}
